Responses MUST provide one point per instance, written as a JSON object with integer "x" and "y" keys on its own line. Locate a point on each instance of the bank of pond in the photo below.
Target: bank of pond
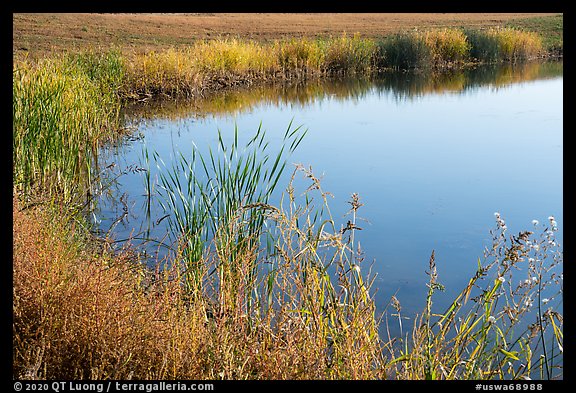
{"x": 256, "y": 273}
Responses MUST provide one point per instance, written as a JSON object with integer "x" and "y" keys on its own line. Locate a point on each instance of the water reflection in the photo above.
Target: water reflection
{"x": 403, "y": 85}
{"x": 434, "y": 156}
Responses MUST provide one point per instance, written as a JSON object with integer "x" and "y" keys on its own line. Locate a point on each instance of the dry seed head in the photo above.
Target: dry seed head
{"x": 355, "y": 202}
{"x": 432, "y": 273}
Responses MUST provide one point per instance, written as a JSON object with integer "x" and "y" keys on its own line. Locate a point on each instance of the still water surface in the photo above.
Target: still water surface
{"x": 431, "y": 156}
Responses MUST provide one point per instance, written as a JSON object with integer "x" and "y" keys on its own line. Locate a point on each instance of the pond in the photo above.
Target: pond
{"x": 432, "y": 157}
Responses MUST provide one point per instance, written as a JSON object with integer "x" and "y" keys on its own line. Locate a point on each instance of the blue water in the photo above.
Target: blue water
{"x": 431, "y": 166}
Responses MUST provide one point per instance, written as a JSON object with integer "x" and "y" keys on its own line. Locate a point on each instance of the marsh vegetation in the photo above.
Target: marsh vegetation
{"x": 251, "y": 290}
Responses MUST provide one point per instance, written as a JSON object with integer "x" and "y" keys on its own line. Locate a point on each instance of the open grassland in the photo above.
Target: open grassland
{"x": 39, "y": 34}
{"x": 224, "y": 309}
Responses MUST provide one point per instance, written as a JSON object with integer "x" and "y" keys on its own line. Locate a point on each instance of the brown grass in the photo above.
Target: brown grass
{"x": 38, "y": 34}
{"x": 82, "y": 314}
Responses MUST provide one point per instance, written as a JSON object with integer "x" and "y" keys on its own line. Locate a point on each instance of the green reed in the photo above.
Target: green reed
{"x": 434, "y": 48}
{"x": 61, "y": 115}
{"x": 308, "y": 313}
{"x": 300, "y": 56}
{"x": 448, "y": 47}
{"x": 403, "y": 51}
{"x": 203, "y": 192}
{"x": 350, "y": 55}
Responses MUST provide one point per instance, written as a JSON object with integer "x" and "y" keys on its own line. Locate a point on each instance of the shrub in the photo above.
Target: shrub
{"x": 447, "y": 46}
{"x": 504, "y": 44}
{"x": 404, "y": 51}
{"x": 300, "y": 56}
{"x": 350, "y": 55}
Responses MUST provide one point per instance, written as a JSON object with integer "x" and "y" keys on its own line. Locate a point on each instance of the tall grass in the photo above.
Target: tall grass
{"x": 204, "y": 192}
{"x": 207, "y": 65}
{"x": 300, "y": 57}
{"x": 438, "y": 48}
{"x": 65, "y": 107}
{"x": 63, "y": 110}
{"x": 403, "y": 51}
{"x": 115, "y": 320}
{"x": 197, "y": 68}
{"x": 310, "y": 314}
{"x": 313, "y": 268}
{"x": 353, "y": 55}
{"x": 504, "y": 44}
{"x": 424, "y": 49}
{"x": 550, "y": 29}
{"x": 505, "y": 324}
{"x": 447, "y": 46}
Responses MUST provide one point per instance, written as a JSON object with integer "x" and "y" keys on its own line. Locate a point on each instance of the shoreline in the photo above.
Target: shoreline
{"x": 58, "y": 272}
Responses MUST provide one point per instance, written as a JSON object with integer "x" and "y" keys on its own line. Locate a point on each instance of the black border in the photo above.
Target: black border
{"x": 292, "y": 6}
{"x": 310, "y": 6}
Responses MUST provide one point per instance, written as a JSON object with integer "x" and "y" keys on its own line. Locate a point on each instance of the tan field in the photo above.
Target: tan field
{"x": 41, "y": 33}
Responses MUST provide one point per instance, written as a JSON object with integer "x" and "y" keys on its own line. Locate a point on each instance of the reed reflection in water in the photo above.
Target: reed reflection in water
{"x": 432, "y": 155}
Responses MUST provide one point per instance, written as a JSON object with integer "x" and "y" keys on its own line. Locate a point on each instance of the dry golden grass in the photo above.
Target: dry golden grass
{"x": 81, "y": 313}
{"x": 42, "y": 33}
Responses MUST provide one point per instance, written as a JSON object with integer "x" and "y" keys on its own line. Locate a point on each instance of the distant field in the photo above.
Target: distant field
{"x": 38, "y": 34}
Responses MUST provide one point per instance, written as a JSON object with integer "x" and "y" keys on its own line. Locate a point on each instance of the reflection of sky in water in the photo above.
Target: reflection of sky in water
{"x": 431, "y": 170}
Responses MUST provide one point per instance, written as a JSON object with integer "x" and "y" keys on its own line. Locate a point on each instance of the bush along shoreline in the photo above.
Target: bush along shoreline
{"x": 216, "y": 64}
{"x": 220, "y": 311}
{"x": 66, "y": 106}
